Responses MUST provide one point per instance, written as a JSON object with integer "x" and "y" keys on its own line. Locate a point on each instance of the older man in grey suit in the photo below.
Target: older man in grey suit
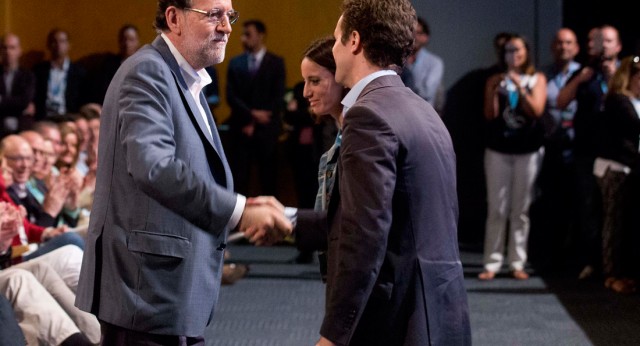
{"x": 164, "y": 200}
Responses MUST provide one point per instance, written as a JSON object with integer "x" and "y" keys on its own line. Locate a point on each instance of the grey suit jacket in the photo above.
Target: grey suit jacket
{"x": 163, "y": 199}
{"x": 394, "y": 272}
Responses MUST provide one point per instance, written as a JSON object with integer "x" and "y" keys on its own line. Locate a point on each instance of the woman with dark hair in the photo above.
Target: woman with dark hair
{"x": 514, "y": 102}
{"x": 71, "y": 148}
{"x": 324, "y": 96}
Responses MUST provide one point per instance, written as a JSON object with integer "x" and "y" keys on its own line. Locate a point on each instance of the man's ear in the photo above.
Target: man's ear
{"x": 174, "y": 20}
{"x": 354, "y": 41}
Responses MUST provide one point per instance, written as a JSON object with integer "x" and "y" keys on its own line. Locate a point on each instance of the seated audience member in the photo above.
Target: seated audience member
{"x": 38, "y": 146}
{"x": 40, "y": 316}
{"x": 33, "y": 240}
{"x": 82, "y": 129}
{"x": 39, "y": 187}
{"x": 39, "y": 293}
{"x": 10, "y": 333}
{"x": 48, "y": 171}
{"x": 93, "y": 117}
{"x": 46, "y": 209}
{"x": 50, "y": 132}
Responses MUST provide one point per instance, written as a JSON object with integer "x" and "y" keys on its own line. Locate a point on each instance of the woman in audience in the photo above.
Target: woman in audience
{"x": 616, "y": 168}
{"x": 514, "y": 101}
{"x": 69, "y": 174}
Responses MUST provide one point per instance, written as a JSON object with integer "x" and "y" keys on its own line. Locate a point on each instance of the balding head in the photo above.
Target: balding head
{"x": 565, "y": 46}
{"x": 10, "y": 51}
{"x": 36, "y": 141}
{"x": 18, "y": 155}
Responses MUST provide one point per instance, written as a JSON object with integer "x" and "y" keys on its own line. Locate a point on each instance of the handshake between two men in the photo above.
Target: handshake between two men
{"x": 263, "y": 221}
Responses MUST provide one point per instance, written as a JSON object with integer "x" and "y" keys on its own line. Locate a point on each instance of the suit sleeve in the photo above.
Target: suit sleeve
{"x": 147, "y": 136}
{"x": 311, "y": 230}
{"x": 367, "y": 182}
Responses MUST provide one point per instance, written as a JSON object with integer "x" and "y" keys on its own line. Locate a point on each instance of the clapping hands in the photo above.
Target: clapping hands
{"x": 10, "y": 222}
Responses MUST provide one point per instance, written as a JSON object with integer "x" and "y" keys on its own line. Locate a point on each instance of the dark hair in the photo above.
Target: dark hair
{"x": 160, "y": 22}
{"x": 500, "y": 39}
{"x": 425, "y": 27}
{"x": 66, "y": 130}
{"x": 320, "y": 52}
{"x": 258, "y": 24}
{"x": 386, "y": 29}
{"x": 529, "y": 67}
{"x": 124, "y": 29}
{"x": 51, "y": 35}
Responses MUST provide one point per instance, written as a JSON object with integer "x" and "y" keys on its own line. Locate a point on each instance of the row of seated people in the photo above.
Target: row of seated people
{"x": 46, "y": 189}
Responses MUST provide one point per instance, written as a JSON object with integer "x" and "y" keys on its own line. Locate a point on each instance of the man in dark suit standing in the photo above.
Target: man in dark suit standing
{"x": 255, "y": 91}
{"x": 394, "y": 275}
{"x": 17, "y": 87}
{"x": 164, "y": 201}
{"x": 60, "y": 83}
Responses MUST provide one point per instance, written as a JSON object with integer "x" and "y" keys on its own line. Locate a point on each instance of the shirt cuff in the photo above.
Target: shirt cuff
{"x": 291, "y": 214}
{"x": 237, "y": 211}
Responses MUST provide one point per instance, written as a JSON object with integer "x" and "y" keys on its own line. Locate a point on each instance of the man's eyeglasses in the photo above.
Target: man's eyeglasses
{"x": 17, "y": 158}
{"x": 216, "y": 16}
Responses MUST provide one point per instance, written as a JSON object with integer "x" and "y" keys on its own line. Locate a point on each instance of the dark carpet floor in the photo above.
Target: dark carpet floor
{"x": 280, "y": 303}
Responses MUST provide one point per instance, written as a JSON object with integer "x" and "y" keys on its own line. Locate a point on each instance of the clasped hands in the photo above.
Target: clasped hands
{"x": 263, "y": 221}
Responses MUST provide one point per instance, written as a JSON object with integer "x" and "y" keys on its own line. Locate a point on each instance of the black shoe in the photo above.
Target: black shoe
{"x": 304, "y": 257}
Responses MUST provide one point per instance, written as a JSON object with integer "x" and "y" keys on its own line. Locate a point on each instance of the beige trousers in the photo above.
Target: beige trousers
{"x": 43, "y": 302}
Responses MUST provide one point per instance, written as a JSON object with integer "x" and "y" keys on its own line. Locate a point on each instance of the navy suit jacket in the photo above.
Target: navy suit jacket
{"x": 394, "y": 272}
{"x": 264, "y": 90}
{"x": 22, "y": 92}
{"x": 163, "y": 200}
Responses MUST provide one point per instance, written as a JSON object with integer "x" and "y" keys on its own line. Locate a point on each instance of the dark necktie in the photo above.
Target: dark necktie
{"x": 253, "y": 65}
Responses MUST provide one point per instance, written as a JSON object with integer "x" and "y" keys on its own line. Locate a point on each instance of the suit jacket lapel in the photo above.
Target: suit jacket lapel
{"x": 190, "y": 105}
{"x": 217, "y": 143}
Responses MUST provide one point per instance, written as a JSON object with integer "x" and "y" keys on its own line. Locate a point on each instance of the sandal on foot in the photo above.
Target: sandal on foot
{"x": 486, "y": 275}
{"x": 520, "y": 275}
